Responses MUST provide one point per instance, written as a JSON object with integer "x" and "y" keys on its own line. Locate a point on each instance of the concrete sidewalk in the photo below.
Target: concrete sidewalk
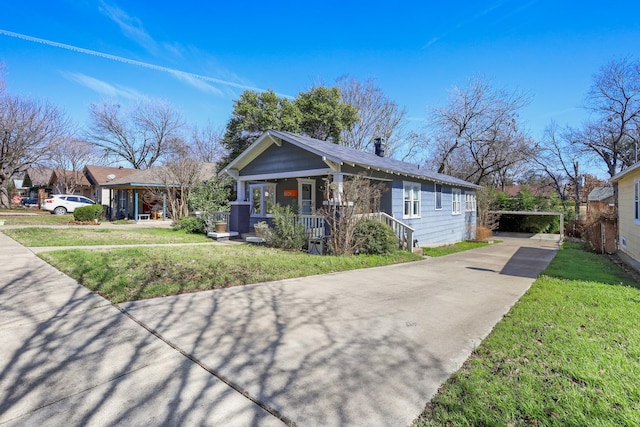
{"x": 365, "y": 347}
{"x": 68, "y": 357}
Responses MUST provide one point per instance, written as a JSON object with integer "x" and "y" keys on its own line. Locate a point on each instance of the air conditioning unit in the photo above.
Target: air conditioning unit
{"x": 316, "y": 246}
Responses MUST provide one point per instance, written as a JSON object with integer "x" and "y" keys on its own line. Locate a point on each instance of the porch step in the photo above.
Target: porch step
{"x": 221, "y": 237}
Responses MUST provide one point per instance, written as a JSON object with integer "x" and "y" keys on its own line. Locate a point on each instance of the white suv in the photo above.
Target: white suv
{"x": 60, "y": 204}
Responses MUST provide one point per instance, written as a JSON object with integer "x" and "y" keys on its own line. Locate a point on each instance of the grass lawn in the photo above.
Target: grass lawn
{"x": 567, "y": 354}
{"x": 138, "y": 273}
{"x": 84, "y": 236}
{"x": 20, "y": 216}
{"x": 452, "y": 249}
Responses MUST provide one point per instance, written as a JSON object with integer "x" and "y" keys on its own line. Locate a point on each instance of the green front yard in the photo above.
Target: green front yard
{"x": 567, "y": 354}
{"x": 91, "y": 236}
{"x": 138, "y": 273}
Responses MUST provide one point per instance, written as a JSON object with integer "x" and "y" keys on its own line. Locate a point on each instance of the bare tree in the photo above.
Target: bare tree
{"x": 141, "y": 136}
{"x": 206, "y": 144}
{"x": 178, "y": 176}
{"x": 68, "y": 158}
{"x": 612, "y": 133}
{"x": 379, "y": 118}
{"x": 28, "y": 129}
{"x": 477, "y": 134}
{"x": 559, "y": 161}
{"x": 347, "y": 204}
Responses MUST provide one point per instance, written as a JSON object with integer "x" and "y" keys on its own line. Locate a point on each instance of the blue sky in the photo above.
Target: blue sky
{"x": 201, "y": 55}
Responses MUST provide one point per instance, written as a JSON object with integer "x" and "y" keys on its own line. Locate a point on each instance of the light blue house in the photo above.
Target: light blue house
{"x": 291, "y": 169}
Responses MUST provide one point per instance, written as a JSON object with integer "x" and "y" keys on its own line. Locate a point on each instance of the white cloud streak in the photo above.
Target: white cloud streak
{"x": 102, "y": 87}
{"x": 130, "y": 26}
{"x": 186, "y": 77}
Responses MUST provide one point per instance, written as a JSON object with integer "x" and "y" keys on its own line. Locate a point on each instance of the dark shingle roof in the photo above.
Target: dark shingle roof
{"x": 362, "y": 158}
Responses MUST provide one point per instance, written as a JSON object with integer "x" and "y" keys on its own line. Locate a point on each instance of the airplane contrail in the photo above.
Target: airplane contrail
{"x": 126, "y": 60}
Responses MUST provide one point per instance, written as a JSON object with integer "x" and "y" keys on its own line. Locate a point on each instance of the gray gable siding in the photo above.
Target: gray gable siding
{"x": 433, "y": 226}
{"x": 285, "y": 158}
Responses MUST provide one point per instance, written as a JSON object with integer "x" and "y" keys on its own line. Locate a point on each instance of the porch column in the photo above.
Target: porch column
{"x": 338, "y": 179}
{"x": 135, "y": 204}
{"x": 164, "y": 205}
{"x": 241, "y": 191}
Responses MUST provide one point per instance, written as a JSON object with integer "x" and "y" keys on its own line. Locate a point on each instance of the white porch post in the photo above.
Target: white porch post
{"x": 241, "y": 191}
{"x": 338, "y": 179}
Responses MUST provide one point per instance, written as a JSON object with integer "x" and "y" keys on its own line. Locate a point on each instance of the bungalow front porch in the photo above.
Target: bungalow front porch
{"x": 307, "y": 195}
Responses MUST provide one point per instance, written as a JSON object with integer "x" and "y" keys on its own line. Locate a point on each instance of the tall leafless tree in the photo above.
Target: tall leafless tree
{"x": 69, "y": 157}
{"x": 560, "y": 162}
{"x": 612, "y": 133}
{"x": 379, "y": 118}
{"x": 477, "y": 135}
{"x": 140, "y": 136}
{"x": 28, "y": 129}
{"x": 206, "y": 144}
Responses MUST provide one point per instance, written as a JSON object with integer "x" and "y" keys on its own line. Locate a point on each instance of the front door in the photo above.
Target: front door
{"x": 306, "y": 196}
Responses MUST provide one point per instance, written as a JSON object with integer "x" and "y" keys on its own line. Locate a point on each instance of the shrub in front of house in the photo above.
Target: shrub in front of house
{"x": 373, "y": 237}
{"x": 88, "y": 213}
{"x": 190, "y": 224}
{"x": 287, "y": 233}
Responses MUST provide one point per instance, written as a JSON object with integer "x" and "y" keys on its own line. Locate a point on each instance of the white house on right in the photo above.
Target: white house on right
{"x": 629, "y": 211}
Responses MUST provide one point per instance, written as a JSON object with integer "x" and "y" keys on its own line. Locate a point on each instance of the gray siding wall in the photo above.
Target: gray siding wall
{"x": 286, "y": 158}
{"x": 435, "y": 226}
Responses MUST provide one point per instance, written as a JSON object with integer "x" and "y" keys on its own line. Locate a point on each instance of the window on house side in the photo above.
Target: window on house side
{"x": 469, "y": 202}
{"x": 636, "y": 201}
{"x": 411, "y": 198}
{"x": 456, "y": 201}
{"x": 438, "y": 194}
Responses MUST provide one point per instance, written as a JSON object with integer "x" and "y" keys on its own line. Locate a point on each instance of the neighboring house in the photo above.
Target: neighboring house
{"x": 69, "y": 182}
{"x": 37, "y": 180}
{"x": 600, "y": 199}
{"x": 19, "y": 188}
{"x": 290, "y": 169}
{"x": 99, "y": 176}
{"x": 141, "y": 194}
{"x": 629, "y": 211}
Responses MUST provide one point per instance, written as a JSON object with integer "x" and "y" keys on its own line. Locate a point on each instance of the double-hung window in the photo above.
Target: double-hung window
{"x": 411, "y": 197}
{"x": 263, "y": 198}
{"x": 469, "y": 201}
{"x": 438, "y": 193}
{"x": 456, "y": 201}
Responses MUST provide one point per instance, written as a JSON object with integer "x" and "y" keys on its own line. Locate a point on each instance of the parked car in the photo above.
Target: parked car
{"x": 28, "y": 201}
{"x": 60, "y": 204}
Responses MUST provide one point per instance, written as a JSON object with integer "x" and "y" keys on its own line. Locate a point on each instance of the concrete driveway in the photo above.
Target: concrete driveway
{"x": 366, "y": 347}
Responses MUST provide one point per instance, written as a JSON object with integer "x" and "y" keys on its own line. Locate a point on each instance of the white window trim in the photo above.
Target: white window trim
{"x": 470, "y": 202}
{"x": 636, "y": 202}
{"x": 262, "y": 186}
{"x": 435, "y": 196}
{"x": 412, "y": 185}
{"x": 312, "y": 182}
{"x": 456, "y": 208}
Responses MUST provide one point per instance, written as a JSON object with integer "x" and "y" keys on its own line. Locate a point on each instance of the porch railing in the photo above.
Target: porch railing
{"x": 403, "y": 232}
{"x": 313, "y": 225}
